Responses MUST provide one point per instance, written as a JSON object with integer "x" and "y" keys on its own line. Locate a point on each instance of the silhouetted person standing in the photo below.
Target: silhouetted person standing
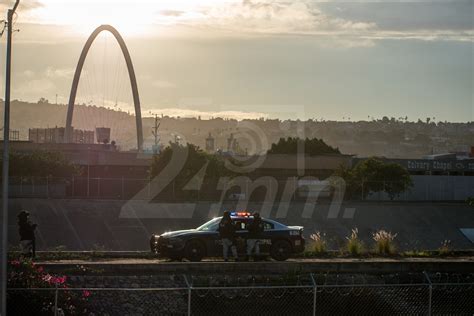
{"x": 255, "y": 229}
{"x": 227, "y": 234}
{"x": 27, "y": 234}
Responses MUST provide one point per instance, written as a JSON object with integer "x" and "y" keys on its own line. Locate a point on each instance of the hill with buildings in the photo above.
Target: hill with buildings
{"x": 389, "y": 137}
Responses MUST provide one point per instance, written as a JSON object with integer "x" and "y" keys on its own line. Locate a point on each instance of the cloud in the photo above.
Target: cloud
{"x": 32, "y": 85}
{"x": 253, "y": 16}
{"x": 172, "y": 13}
{"x": 35, "y": 87}
{"x": 24, "y": 6}
{"x": 237, "y": 115}
{"x": 28, "y": 73}
{"x": 163, "y": 84}
{"x": 421, "y": 35}
{"x": 59, "y": 73}
{"x": 345, "y": 23}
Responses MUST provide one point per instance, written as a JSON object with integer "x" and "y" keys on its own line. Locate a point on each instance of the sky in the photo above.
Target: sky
{"x": 253, "y": 58}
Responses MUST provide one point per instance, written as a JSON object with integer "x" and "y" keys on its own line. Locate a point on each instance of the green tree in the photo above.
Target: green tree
{"x": 196, "y": 159}
{"x": 374, "y": 175}
{"x": 312, "y": 147}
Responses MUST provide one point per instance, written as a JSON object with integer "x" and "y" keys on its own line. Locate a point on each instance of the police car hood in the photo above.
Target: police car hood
{"x": 295, "y": 227}
{"x": 178, "y": 233}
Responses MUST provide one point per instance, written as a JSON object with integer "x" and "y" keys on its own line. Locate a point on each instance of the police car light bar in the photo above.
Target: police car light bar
{"x": 240, "y": 214}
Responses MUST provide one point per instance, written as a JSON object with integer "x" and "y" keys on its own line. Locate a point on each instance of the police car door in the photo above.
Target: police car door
{"x": 241, "y": 233}
{"x": 268, "y": 234}
{"x": 213, "y": 241}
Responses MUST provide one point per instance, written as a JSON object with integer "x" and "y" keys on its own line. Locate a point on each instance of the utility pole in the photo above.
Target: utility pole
{"x": 6, "y": 147}
{"x": 155, "y": 134}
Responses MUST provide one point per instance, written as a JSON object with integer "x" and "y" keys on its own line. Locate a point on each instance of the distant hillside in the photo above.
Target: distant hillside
{"x": 388, "y": 137}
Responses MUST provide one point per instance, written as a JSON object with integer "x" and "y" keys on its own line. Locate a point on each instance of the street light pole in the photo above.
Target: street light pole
{"x": 6, "y": 147}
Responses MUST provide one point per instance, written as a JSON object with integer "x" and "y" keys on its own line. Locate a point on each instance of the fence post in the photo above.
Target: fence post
{"x": 315, "y": 289}
{"x": 174, "y": 193}
{"x": 189, "y": 302}
{"x": 56, "y": 301}
{"x": 430, "y": 295}
{"x": 123, "y": 188}
{"x": 295, "y": 182}
{"x": 149, "y": 188}
{"x": 189, "y": 293}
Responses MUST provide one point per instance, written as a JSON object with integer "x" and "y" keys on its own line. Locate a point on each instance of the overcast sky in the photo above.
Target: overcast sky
{"x": 251, "y": 58}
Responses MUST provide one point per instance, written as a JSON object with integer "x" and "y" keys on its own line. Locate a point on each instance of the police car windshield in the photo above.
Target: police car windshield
{"x": 211, "y": 225}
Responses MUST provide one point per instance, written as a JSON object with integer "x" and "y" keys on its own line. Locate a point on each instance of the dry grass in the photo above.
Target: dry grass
{"x": 354, "y": 245}
{"x": 319, "y": 244}
{"x": 384, "y": 242}
{"x": 445, "y": 247}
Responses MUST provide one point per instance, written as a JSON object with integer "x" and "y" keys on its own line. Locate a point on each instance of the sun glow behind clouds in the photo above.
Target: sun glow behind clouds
{"x": 130, "y": 17}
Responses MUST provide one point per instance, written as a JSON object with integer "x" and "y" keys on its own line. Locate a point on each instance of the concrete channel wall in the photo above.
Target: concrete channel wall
{"x": 109, "y": 225}
{"x": 434, "y": 188}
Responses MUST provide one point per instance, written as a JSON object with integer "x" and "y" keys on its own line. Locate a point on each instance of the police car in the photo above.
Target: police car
{"x": 278, "y": 240}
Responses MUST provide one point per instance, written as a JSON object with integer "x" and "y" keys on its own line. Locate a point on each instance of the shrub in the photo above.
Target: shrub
{"x": 354, "y": 244}
{"x": 319, "y": 242}
{"x": 384, "y": 244}
{"x": 24, "y": 273}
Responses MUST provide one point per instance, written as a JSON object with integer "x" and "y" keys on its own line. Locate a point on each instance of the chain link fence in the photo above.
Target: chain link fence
{"x": 315, "y": 294}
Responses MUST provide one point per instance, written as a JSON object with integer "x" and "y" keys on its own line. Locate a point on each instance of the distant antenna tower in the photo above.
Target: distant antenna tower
{"x": 155, "y": 134}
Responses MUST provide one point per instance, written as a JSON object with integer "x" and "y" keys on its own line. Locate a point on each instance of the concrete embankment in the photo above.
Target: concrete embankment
{"x": 112, "y": 225}
{"x": 295, "y": 266}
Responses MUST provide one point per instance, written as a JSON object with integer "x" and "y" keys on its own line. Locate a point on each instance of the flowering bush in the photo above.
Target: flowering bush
{"x": 319, "y": 242}
{"x": 384, "y": 242}
{"x": 354, "y": 244}
{"x": 25, "y": 274}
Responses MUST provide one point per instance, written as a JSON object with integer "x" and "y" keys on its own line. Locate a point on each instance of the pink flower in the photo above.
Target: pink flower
{"x": 47, "y": 278}
{"x": 15, "y": 262}
{"x": 86, "y": 293}
{"x": 61, "y": 280}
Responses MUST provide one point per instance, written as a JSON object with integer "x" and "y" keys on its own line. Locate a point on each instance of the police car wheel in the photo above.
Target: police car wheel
{"x": 175, "y": 258}
{"x": 281, "y": 250}
{"x": 194, "y": 250}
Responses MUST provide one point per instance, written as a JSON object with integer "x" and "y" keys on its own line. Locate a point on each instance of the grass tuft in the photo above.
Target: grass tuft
{"x": 319, "y": 244}
{"x": 384, "y": 242}
{"x": 354, "y": 245}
